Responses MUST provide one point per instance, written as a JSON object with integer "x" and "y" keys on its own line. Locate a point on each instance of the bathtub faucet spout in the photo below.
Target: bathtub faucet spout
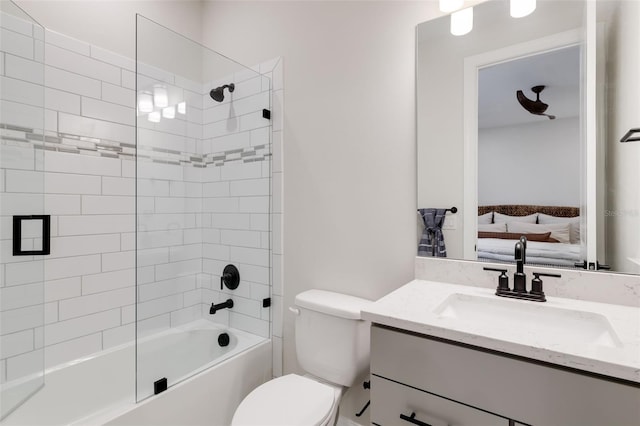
{"x": 215, "y": 308}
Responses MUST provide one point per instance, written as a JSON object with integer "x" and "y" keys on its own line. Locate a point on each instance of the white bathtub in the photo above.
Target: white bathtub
{"x": 101, "y": 389}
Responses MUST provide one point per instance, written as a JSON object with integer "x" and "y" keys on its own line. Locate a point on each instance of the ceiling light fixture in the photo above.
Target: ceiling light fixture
{"x": 521, "y": 8}
{"x": 447, "y": 6}
{"x": 462, "y": 21}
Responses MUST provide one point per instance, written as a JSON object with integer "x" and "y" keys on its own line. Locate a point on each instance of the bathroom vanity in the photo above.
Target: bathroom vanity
{"x": 444, "y": 354}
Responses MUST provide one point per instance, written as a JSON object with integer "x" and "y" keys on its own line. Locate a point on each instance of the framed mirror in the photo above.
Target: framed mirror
{"x": 519, "y": 126}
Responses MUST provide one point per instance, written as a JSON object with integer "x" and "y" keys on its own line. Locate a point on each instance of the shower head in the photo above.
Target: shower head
{"x": 217, "y": 94}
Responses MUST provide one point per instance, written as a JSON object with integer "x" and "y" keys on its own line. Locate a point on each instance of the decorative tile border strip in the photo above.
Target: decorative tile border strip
{"x": 82, "y": 145}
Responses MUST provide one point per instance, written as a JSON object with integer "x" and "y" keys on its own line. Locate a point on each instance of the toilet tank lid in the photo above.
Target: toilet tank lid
{"x": 330, "y": 303}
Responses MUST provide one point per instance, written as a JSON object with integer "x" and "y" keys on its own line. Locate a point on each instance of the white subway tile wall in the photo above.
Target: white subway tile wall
{"x": 231, "y": 195}
{"x": 23, "y": 311}
{"x": 204, "y": 187}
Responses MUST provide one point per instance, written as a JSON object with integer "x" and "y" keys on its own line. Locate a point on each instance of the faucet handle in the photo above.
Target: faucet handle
{"x": 503, "y": 279}
{"x": 495, "y": 269}
{"x": 536, "y": 283}
{"x": 544, "y": 274}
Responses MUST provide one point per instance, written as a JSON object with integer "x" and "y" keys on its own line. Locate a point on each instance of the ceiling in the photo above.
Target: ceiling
{"x": 558, "y": 70}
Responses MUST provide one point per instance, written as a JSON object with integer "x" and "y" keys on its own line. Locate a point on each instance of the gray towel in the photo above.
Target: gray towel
{"x": 432, "y": 241}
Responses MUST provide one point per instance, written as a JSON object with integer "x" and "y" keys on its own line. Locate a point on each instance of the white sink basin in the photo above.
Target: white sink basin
{"x": 531, "y": 319}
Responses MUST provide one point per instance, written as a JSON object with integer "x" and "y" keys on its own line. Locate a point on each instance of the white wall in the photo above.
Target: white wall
{"x": 519, "y": 164}
{"x": 110, "y": 24}
{"x": 349, "y": 144}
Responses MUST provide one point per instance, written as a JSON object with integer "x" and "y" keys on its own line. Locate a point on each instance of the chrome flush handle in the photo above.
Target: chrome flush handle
{"x": 294, "y": 310}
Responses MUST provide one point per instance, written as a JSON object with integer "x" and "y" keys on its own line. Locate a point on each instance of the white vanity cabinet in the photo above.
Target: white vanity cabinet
{"x": 445, "y": 383}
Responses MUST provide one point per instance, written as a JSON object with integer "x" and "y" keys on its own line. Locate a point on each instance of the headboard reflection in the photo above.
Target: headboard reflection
{"x": 524, "y": 210}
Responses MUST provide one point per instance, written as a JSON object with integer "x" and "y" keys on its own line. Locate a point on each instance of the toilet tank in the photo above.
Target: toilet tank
{"x": 332, "y": 340}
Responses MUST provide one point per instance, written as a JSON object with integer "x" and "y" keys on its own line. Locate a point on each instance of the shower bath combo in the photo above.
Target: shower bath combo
{"x": 137, "y": 288}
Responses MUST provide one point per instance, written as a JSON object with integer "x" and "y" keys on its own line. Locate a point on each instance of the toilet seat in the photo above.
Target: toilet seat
{"x": 289, "y": 400}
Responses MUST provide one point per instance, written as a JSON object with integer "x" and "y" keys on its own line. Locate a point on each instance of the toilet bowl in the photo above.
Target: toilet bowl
{"x": 332, "y": 346}
{"x": 290, "y": 400}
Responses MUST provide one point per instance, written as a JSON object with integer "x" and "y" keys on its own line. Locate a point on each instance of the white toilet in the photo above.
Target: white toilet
{"x": 332, "y": 344}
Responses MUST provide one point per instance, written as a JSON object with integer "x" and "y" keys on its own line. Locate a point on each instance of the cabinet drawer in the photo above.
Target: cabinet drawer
{"x": 514, "y": 388}
{"x": 393, "y": 399}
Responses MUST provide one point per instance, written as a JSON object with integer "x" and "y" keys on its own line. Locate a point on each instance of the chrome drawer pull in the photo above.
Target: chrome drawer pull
{"x": 412, "y": 419}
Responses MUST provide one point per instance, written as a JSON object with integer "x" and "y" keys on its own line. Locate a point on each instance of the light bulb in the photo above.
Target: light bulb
{"x": 154, "y": 117}
{"x": 182, "y": 107}
{"x": 169, "y": 112}
{"x": 462, "y": 21}
{"x": 521, "y": 8}
{"x": 145, "y": 103}
{"x": 160, "y": 96}
{"x": 447, "y": 6}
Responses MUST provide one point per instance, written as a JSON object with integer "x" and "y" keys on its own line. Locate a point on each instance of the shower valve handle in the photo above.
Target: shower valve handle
{"x": 223, "y": 277}
{"x": 230, "y": 277}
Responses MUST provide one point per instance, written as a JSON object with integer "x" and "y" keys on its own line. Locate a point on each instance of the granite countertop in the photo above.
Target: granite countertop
{"x": 603, "y": 338}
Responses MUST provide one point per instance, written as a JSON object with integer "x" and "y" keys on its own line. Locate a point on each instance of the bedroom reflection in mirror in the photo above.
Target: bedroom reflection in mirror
{"x": 525, "y": 121}
{"x": 529, "y": 159}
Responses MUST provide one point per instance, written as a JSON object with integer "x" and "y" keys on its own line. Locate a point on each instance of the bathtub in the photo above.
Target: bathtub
{"x": 101, "y": 389}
